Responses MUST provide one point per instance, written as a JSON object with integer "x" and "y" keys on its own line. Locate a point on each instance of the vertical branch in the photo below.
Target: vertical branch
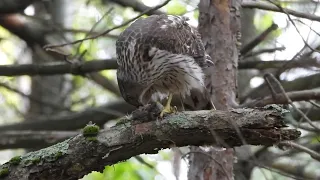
{"x": 219, "y": 27}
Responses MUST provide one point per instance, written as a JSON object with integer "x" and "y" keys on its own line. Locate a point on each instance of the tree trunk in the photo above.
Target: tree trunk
{"x": 48, "y": 88}
{"x": 219, "y": 27}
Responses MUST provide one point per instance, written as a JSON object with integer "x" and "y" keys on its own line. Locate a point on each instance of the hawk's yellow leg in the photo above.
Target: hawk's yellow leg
{"x": 167, "y": 108}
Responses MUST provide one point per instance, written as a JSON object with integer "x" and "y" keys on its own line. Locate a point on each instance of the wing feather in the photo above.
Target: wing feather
{"x": 165, "y": 32}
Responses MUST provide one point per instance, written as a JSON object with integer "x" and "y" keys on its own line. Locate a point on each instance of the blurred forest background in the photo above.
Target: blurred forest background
{"x": 41, "y": 105}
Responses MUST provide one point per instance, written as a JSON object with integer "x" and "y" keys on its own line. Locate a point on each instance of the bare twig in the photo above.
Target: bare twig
{"x": 311, "y": 152}
{"x": 293, "y": 23}
{"x": 109, "y": 30}
{"x": 34, "y": 99}
{"x": 269, "y": 7}
{"x": 291, "y": 103}
{"x": 315, "y": 104}
{"x": 93, "y": 28}
{"x": 272, "y": 90}
{"x": 281, "y": 99}
{"x": 280, "y": 64}
{"x": 262, "y": 51}
{"x": 68, "y": 30}
{"x": 248, "y": 47}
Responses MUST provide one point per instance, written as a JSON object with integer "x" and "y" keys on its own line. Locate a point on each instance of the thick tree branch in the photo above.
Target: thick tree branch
{"x": 47, "y": 69}
{"x": 13, "y": 6}
{"x": 57, "y": 68}
{"x": 271, "y": 7}
{"x": 78, "y": 156}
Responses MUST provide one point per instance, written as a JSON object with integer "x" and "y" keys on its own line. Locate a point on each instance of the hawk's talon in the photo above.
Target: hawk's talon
{"x": 167, "y": 108}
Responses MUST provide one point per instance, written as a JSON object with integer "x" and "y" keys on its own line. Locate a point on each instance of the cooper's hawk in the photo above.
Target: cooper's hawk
{"x": 160, "y": 56}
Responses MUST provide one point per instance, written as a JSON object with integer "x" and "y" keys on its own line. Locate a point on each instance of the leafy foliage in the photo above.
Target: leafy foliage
{"x": 124, "y": 170}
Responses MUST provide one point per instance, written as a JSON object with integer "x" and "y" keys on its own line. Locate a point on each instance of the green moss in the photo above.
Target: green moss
{"x": 58, "y": 155}
{"x": 93, "y": 139}
{"x": 277, "y": 108}
{"x": 35, "y": 160}
{"x": 48, "y": 154}
{"x": 4, "y": 172}
{"x": 90, "y": 130}
{"x": 15, "y": 160}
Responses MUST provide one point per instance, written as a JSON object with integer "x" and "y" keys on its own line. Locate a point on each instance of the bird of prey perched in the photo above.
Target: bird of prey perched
{"x": 160, "y": 56}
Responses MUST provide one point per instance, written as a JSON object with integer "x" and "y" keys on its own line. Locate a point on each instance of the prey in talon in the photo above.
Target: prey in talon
{"x": 158, "y": 57}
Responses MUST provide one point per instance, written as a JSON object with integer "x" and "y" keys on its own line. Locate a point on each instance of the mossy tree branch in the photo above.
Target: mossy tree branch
{"x": 143, "y": 133}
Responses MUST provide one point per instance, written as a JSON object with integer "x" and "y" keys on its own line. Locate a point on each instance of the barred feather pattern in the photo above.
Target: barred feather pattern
{"x": 158, "y": 55}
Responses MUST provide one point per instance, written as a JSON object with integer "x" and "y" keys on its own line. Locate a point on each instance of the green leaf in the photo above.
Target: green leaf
{"x": 94, "y": 175}
{"x": 176, "y": 7}
{"x": 262, "y": 22}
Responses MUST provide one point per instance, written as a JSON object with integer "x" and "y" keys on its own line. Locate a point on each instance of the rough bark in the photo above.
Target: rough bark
{"x": 219, "y": 27}
{"x": 80, "y": 155}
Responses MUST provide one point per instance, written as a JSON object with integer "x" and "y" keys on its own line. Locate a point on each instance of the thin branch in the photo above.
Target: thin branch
{"x": 301, "y": 83}
{"x": 93, "y": 28}
{"x": 32, "y": 139}
{"x": 293, "y": 23}
{"x": 262, "y": 51}
{"x": 72, "y": 121}
{"x": 248, "y": 47}
{"x": 270, "y": 7}
{"x": 311, "y": 152}
{"x": 315, "y": 104}
{"x": 80, "y": 155}
{"x": 281, "y": 99}
{"x": 109, "y": 30}
{"x": 34, "y": 99}
{"x": 84, "y": 31}
{"x": 291, "y": 103}
{"x": 136, "y": 5}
